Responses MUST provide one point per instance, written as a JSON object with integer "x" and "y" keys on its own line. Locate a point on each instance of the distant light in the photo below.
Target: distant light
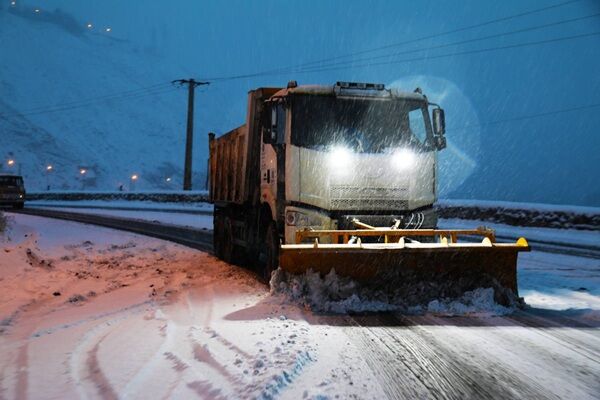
{"x": 108, "y": 29}
{"x": 90, "y": 26}
{"x": 168, "y": 179}
{"x": 11, "y": 162}
{"x": 13, "y": 3}
{"x": 37, "y": 10}
{"x": 134, "y": 177}
{"x": 82, "y": 171}
{"x": 49, "y": 168}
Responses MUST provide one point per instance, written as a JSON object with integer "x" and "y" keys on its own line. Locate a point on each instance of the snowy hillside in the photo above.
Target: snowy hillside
{"x": 56, "y": 106}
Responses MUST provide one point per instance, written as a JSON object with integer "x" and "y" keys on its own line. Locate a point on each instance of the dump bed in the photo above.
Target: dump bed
{"x": 228, "y": 158}
{"x": 234, "y": 158}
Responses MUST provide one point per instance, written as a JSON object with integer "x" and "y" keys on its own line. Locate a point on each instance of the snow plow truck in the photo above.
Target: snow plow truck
{"x": 344, "y": 177}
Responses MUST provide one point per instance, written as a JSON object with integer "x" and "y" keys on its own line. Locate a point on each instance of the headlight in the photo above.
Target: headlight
{"x": 402, "y": 159}
{"x": 340, "y": 159}
{"x": 295, "y": 218}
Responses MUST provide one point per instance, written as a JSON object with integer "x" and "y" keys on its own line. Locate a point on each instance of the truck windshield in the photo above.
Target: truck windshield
{"x": 10, "y": 181}
{"x": 364, "y": 124}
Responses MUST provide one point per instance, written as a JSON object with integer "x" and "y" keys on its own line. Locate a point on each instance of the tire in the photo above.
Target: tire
{"x": 270, "y": 251}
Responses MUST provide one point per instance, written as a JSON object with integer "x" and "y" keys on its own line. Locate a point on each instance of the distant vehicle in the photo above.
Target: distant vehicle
{"x": 12, "y": 191}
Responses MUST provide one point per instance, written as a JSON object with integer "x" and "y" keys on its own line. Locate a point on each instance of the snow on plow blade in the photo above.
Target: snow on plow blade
{"x": 403, "y": 264}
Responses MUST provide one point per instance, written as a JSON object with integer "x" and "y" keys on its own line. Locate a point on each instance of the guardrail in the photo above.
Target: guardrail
{"x": 159, "y": 197}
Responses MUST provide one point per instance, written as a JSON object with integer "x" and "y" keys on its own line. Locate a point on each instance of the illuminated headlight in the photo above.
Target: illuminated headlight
{"x": 403, "y": 159}
{"x": 20, "y": 196}
{"x": 340, "y": 159}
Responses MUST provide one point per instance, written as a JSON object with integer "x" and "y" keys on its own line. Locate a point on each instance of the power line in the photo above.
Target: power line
{"x": 533, "y": 28}
{"x": 526, "y": 117}
{"x": 280, "y": 70}
{"x": 74, "y": 107}
{"x": 103, "y": 97}
{"x": 430, "y": 57}
{"x": 350, "y": 64}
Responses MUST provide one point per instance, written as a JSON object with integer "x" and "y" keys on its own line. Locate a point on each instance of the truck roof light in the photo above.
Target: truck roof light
{"x": 360, "y": 85}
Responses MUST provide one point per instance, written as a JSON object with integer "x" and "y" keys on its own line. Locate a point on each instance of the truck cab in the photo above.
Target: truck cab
{"x": 12, "y": 191}
{"x": 335, "y": 154}
{"x": 324, "y": 157}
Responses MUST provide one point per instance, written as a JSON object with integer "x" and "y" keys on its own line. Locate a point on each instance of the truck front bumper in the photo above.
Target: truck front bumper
{"x": 420, "y": 219}
{"x": 302, "y": 218}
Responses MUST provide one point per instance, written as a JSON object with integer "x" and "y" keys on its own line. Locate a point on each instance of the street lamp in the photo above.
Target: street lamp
{"x": 83, "y": 171}
{"x": 10, "y": 162}
{"x": 134, "y": 178}
{"x": 168, "y": 179}
{"x": 49, "y": 169}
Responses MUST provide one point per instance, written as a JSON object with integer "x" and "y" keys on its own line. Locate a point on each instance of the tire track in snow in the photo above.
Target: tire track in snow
{"x": 170, "y": 347}
{"x": 95, "y": 374}
{"x": 77, "y": 361}
{"x": 414, "y": 363}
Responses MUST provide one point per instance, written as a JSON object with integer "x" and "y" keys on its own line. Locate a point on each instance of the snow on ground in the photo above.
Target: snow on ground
{"x": 91, "y": 312}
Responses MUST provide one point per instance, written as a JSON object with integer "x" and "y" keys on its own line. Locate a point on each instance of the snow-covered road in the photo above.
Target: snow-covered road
{"x": 93, "y": 313}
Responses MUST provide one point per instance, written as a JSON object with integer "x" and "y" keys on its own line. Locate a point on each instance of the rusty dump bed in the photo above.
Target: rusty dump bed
{"x": 445, "y": 268}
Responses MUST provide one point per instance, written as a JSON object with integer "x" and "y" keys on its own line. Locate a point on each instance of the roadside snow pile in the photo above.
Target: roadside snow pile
{"x": 522, "y": 214}
{"x": 479, "y": 302}
{"x": 342, "y": 295}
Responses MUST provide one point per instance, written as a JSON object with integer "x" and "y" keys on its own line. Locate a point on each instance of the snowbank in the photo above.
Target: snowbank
{"x": 335, "y": 294}
{"x": 522, "y": 214}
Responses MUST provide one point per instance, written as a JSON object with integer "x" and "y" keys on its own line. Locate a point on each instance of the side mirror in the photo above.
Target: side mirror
{"x": 439, "y": 142}
{"x": 439, "y": 122}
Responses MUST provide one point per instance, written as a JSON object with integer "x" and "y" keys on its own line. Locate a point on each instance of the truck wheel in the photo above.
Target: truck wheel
{"x": 270, "y": 251}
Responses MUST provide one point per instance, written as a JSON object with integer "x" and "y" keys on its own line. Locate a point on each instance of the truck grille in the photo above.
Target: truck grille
{"x": 348, "y": 197}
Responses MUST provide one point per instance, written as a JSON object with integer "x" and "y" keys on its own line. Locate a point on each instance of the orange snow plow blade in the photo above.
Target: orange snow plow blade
{"x": 401, "y": 260}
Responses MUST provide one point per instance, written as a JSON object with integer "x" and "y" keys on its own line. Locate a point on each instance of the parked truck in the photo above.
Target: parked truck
{"x": 340, "y": 177}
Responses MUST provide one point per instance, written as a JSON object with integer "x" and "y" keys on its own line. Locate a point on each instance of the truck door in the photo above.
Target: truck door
{"x": 272, "y": 161}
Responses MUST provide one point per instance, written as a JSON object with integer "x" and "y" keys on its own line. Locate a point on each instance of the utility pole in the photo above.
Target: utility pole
{"x": 189, "y": 138}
